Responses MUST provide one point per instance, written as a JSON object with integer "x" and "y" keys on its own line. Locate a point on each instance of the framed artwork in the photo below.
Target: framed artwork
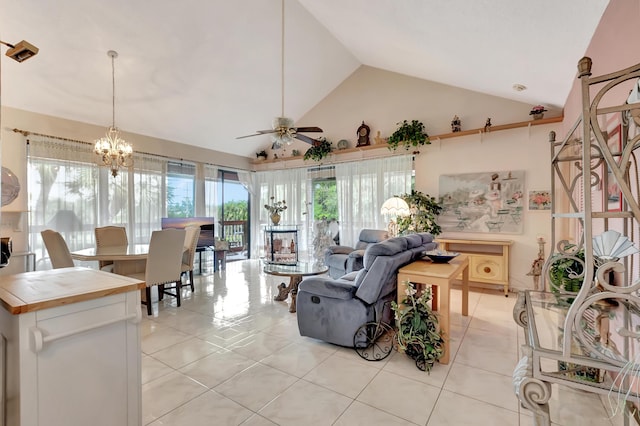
{"x": 490, "y": 202}
{"x": 539, "y": 200}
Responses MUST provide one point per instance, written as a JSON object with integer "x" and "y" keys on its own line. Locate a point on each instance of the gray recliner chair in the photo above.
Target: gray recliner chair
{"x": 344, "y": 259}
{"x": 333, "y": 309}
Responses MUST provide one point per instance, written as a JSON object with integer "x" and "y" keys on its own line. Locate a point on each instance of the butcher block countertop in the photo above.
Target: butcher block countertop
{"x": 33, "y": 291}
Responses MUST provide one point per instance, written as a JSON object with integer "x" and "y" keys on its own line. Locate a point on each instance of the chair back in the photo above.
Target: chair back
{"x": 370, "y": 236}
{"x": 111, "y": 236}
{"x": 108, "y": 236}
{"x": 164, "y": 261}
{"x": 192, "y": 233}
{"x": 59, "y": 253}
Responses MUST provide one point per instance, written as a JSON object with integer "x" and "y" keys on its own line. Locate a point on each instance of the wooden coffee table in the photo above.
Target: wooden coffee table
{"x": 439, "y": 276}
{"x": 295, "y": 273}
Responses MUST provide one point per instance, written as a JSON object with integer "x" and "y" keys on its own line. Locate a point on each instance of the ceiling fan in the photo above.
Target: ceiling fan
{"x": 283, "y": 131}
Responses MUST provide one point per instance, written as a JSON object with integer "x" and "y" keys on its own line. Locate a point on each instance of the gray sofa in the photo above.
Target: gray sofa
{"x": 333, "y": 309}
{"x": 344, "y": 259}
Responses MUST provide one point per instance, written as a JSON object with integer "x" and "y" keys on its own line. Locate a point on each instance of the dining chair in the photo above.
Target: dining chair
{"x": 59, "y": 253}
{"x": 163, "y": 265}
{"x": 108, "y": 236}
{"x": 192, "y": 233}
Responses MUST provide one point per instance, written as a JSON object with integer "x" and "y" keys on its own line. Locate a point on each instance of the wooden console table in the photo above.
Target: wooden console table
{"x": 438, "y": 275}
{"x": 488, "y": 259}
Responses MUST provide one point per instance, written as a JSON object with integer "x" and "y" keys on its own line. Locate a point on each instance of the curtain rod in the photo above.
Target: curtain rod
{"x": 332, "y": 163}
{"x": 26, "y": 133}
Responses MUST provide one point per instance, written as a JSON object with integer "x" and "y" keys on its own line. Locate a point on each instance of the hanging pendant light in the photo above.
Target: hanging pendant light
{"x": 114, "y": 152}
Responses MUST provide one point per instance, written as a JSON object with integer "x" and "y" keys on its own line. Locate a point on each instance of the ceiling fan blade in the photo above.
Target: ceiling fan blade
{"x": 304, "y": 138}
{"x": 249, "y": 136}
{"x": 308, "y": 129}
{"x": 259, "y": 133}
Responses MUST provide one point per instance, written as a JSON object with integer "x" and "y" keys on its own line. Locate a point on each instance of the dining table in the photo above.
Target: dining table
{"x": 127, "y": 259}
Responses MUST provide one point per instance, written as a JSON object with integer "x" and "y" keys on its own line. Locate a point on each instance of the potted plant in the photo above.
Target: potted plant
{"x": 274, "y": 209}
{"x": 565, "y": 273}
{"x": 418, "y": 333}
{"x": 319, "y": 150}
{"x": 408, "y": 134}
{"x": 424, "y": 212}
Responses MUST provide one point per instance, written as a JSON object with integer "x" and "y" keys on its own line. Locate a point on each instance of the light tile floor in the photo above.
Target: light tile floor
{"x": 230, "y": 355}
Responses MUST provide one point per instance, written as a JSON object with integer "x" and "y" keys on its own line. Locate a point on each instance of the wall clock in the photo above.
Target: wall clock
{"x": 363, "y": 135}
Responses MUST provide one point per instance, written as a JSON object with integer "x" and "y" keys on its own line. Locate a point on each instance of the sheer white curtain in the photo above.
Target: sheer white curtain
{"x": 362, "y": 188}
{"x": 147, "y": 195}
{"x": 211, "y": 201}
{"x": 288, "y": 185}
{"x": 63, "y": 192}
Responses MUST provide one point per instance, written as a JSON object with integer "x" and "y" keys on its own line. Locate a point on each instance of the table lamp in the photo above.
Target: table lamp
{"x": 391, "y": 209}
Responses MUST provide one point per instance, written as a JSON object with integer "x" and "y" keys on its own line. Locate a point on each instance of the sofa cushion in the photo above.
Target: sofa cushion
{"x": 414, "y": 240}
{"x": 384, "y": 248}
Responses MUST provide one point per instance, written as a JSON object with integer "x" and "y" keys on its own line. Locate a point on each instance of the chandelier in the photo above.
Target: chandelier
{"x": 114, "y": 152}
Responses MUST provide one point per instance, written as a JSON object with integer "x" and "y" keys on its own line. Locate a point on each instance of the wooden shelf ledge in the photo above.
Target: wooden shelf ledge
{"x": 494, "y": 128}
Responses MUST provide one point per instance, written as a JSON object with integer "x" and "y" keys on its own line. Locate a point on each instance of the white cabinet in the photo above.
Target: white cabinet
{"x": 72, "y": 350}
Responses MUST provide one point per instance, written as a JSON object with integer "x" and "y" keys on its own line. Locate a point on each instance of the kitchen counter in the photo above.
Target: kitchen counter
{"x": 33, "y": 291}
{"x": 71, "y": 339}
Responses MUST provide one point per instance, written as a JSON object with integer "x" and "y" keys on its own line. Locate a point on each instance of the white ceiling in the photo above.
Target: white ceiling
{"x": 202, "y": 72}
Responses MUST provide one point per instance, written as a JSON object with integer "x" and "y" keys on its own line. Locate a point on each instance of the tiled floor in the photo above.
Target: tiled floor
{"x": 230, "y": 355}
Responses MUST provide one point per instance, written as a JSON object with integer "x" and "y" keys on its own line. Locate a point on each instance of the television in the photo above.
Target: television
{"x": 206, "y": 224}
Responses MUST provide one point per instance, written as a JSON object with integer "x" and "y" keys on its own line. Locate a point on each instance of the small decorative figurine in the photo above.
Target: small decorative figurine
{"x": 536, "y": 266}
{"x": 487, "y": 125}
{"x": 262, "y": 155}
{"x": 363, "y": 135}
{"x": 537, "y": 112}
{"x": 379, "y": 140}
{"x": 456, "y": 125}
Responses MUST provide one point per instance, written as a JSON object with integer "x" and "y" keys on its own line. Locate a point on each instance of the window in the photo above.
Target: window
{"x": 180, "y": 189}
{"x": 325, "y": 199}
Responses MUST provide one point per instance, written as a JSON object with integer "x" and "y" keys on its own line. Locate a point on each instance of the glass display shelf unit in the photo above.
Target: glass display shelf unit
{"x": 598, "y": 359}
{"x": 281, "y": 244}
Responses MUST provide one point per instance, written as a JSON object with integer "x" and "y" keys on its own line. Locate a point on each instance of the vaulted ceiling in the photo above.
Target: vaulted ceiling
{"x": 203, "y": 72}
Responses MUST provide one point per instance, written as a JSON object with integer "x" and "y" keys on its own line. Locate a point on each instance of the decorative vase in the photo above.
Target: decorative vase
{"x": 275, "y": 218}
{"x": 538, "y": 116}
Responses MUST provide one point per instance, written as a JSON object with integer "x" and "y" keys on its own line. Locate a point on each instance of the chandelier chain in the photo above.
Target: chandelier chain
{"x": 282, "y": 63}
{"x": 113, "y": 90}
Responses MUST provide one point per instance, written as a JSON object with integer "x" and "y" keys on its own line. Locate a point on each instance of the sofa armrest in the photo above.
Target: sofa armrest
{"x": 357, "y": 254}
{"x": 328, "y": 287}
{"x": 338, "y": 250}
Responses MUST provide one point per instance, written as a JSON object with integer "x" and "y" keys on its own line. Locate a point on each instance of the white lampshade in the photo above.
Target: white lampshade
{"x": 395, "y": 206}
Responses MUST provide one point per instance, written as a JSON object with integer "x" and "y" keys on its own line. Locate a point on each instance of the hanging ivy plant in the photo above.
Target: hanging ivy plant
{"x": 409, "y": 135}
{"x": 319, "y": 150}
